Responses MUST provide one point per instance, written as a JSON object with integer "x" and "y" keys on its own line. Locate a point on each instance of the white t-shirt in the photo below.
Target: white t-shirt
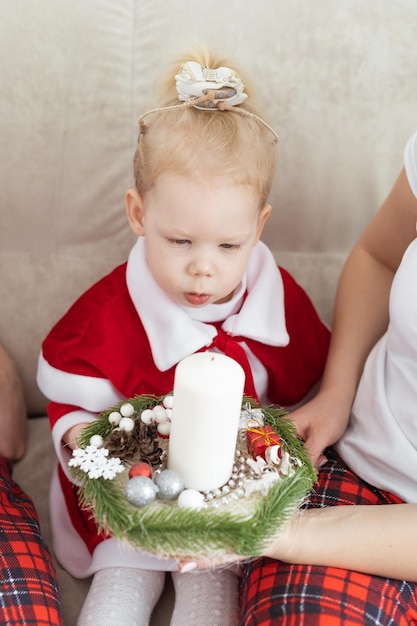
{"x": 380, "y": 443}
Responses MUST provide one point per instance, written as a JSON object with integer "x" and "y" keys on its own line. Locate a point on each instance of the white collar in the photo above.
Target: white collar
{"x": 173, "y": 334}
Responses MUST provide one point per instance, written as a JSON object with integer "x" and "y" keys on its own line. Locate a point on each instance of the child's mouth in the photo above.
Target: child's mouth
{"x": 197, "y": 299}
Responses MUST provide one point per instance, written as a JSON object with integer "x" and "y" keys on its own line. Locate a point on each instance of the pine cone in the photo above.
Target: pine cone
{"x": 149, "y": 448}
{"x": 122, "y": 444}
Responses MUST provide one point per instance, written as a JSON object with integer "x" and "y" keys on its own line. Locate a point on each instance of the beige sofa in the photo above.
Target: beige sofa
{"x": 338, "y": 81}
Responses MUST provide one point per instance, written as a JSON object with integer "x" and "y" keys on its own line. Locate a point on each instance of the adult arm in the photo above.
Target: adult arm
{"x": 360, "y": 316}
{"x": 378, "y": 540}
{"x": 375, "y": 539}
{"x": 13, "y": 418}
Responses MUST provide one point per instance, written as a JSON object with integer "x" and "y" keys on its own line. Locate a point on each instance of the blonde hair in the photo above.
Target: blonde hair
{"x": 187, "y": 140}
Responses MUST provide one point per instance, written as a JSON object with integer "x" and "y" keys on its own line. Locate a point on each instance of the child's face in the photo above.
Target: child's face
{"x": 198, "y": 234}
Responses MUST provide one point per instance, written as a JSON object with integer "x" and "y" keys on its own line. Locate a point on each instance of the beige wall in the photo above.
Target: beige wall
{"x": 338, "y": 82}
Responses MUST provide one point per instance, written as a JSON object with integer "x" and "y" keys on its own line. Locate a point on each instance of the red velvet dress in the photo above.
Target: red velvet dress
{"x": 99, "y": 353}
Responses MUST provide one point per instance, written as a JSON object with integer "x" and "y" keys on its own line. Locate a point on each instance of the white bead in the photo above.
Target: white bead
{"x": 127, "y": 409}
{"x": 147, "y": 416}
{"x": 190, "y": 499}
{"x": 169, "y": 413}
{"x": 97, "y": 441}
{"x": 127, "y": 424}
{"x": 164, "y": 428}
{"x": 114, "y": 418}
{"x": 159, "y": 414}
{"x": 168, "y": 402}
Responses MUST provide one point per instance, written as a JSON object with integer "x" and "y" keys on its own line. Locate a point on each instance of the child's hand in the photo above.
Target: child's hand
{"x": 70, "y": 438}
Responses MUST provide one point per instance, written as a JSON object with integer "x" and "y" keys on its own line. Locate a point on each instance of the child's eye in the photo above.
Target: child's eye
{"x": 179, "y": 242}
{"x": 230, "y": 246}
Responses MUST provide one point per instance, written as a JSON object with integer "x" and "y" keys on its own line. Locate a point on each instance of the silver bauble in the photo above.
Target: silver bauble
{"x": 169, "y": 484}
{"x": 140, "y": 490}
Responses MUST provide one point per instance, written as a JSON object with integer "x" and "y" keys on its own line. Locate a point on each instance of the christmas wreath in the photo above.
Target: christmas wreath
{"x": 121, "y": 470}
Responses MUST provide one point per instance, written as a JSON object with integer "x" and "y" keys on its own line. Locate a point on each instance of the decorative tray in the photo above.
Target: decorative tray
{"x": 121, "y": 470}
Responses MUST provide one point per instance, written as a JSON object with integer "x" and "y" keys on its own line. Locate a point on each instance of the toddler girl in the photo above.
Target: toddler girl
{"x": 198, "y": 278}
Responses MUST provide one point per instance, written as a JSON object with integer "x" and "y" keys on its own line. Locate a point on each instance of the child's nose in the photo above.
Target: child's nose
{"x": 201, "y": 267}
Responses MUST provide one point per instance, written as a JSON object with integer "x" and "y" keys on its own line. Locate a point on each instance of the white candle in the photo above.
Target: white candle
{"x": 208, "y": 391}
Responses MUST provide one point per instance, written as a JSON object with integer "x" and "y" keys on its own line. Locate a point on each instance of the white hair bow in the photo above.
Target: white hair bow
{"x": 194, "y": 81}
{"x": 202, "y": 87}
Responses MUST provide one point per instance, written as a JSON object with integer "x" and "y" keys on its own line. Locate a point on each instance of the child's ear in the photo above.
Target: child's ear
{"x": 264, "y": 213}
{"x": 134, "y": 211}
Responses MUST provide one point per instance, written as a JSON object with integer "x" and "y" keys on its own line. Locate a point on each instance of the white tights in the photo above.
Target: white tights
{"x": 209, "y": 598}
{"x": 127, "y": 597}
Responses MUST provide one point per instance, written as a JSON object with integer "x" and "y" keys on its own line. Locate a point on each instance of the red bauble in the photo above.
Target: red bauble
{"x": 140, "y": 469}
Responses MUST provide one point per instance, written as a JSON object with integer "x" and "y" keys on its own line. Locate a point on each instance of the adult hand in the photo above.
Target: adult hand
{"x": 283, "y": 547}
{"x": 320, "y": 423}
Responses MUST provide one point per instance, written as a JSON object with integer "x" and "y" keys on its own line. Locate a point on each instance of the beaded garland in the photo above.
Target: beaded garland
{"x": 121, "y": 471}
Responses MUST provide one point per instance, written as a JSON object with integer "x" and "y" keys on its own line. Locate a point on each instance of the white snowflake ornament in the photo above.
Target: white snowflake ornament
{"x": 94, "y": 462}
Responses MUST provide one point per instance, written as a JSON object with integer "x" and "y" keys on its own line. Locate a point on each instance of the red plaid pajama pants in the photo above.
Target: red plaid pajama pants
{"x": 28, "y": 588}
{"x": 275, "y": 593}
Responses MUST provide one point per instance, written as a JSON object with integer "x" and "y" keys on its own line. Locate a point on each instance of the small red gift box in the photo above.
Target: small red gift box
{"x": 261, "y": 438}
